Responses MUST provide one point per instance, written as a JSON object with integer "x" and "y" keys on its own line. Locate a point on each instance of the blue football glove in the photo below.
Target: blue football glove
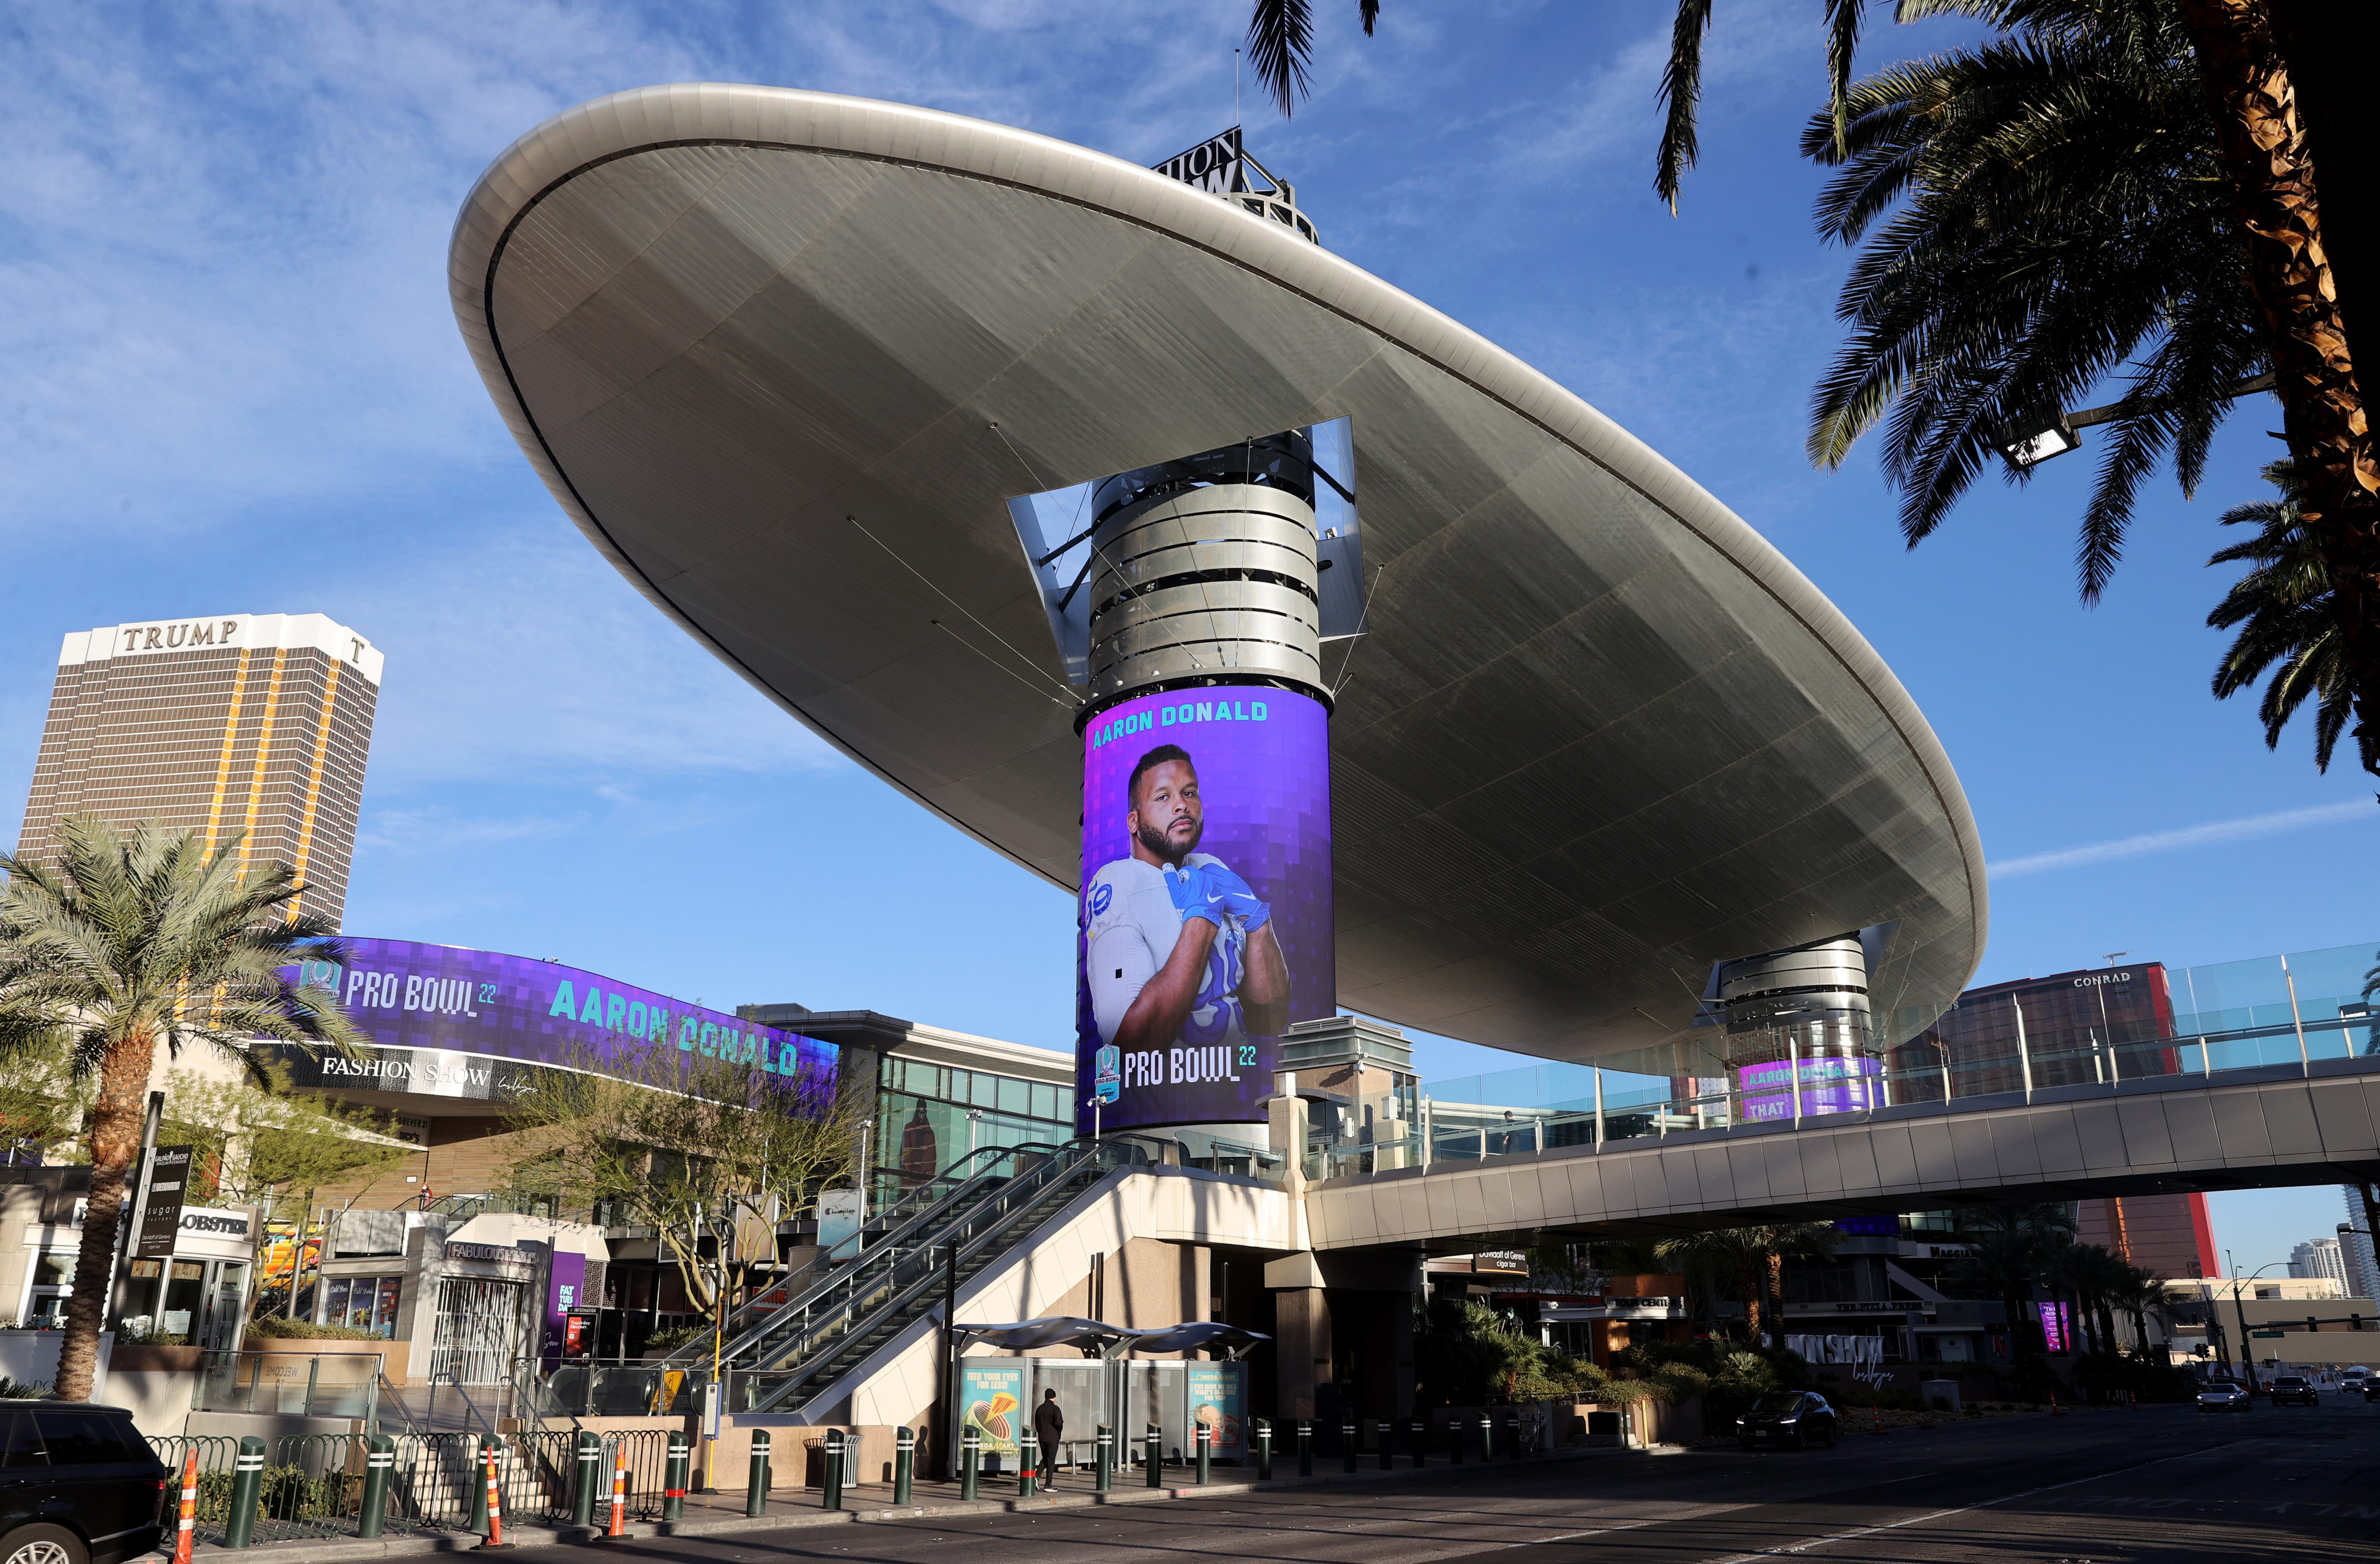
{"x": 1193, "y": 897}
{"x": 1232, "y": 895}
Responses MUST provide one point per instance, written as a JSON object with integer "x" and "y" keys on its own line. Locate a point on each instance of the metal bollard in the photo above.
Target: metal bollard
{"x": 905, "y": 1462}
{"x": 1264, "y": 1450}
{"x": 1028, "y": 1464}
{"x": 1420, "y": 1439}
{"x": 681, "y": 1458}
{"x": 1155, "y": 1456}
{"x": 586, "y": 1472}
{"x": 1347, "y": 1444}
{"x": 1106, "y": 1443}
{"x": 1304, "y": 1447}
{"x": 1388, "y": 1445}
{"x": 831, "y": 1491}
{"x": 1487, "y": 1437}
{"x": 1204, "y": 1439}
{"x": 970, "y": 1462}
{"x": 380, "y": 1458}
{"x": 756, "y": 1492}
{"x": 247, "y": 1482}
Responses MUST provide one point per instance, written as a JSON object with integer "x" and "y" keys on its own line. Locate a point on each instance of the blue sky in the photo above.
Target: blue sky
{"x": 232, "y": 383}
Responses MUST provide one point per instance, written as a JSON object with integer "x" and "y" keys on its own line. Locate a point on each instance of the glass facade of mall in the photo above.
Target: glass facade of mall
{"x": 930, "y": 1116}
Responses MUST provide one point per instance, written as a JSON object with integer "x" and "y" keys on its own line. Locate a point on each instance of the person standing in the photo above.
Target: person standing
{"x": 1049, "y": 1427}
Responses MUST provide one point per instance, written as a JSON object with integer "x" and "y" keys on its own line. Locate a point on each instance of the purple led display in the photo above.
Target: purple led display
{"x": 1229, "y": 829}
{"x": 446, "y": 1022}
{"x": 1829, "y": 1085}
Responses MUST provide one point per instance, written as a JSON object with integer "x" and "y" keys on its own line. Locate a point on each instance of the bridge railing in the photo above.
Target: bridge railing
{"x": 1579, "y": 1111}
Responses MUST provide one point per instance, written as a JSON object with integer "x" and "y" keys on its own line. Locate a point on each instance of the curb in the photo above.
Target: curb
{"x": 351, "y": 1551}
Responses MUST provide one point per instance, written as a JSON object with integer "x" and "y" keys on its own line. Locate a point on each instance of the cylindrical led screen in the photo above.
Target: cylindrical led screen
{"x": 1205, "y": 915}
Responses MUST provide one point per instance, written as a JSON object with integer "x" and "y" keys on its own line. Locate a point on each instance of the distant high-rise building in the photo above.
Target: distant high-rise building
{"x": 2355, "y": 1248}
{"x": 254, "y": 723}
{"x": 2319, "y": 1260}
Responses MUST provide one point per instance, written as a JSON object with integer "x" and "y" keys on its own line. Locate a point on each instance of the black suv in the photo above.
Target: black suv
{"x": 78, "y": 1484}
{"x": 1797, "y": 1418}
{"x": 2293, "y": 1389}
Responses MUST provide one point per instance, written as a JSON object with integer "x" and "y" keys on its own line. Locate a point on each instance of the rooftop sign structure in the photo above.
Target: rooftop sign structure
{"x": 1221, "y": 166}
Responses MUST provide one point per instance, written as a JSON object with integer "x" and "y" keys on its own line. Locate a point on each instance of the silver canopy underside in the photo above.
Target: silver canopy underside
{"x": 1600, "y": 734}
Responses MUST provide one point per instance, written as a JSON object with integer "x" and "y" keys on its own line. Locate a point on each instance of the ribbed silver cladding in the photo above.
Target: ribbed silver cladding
{"x": 1218, "y": 580}
{"x": 1835, "y": 964}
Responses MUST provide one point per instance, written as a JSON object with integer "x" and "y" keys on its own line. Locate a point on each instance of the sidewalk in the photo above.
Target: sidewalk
{"x": 799, "y": 1508}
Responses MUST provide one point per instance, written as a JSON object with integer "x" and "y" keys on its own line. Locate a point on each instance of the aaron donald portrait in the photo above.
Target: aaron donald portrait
{"x": 1200, "y": 911}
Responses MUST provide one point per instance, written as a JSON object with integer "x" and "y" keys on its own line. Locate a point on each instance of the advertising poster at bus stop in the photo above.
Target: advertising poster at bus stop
{"x": 991, "y": 1402}
{"x": 1205, "y": 922}
{"x": 1217, "y": 1402}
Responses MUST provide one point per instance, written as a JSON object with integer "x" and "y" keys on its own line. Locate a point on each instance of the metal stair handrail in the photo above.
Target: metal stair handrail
{"x": 827, "y": 1277}
{"x": 858, "y": 1285}
{"x": 990, "y": 1222}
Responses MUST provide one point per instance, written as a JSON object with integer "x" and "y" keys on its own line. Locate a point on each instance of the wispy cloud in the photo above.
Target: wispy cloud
{"x": 2214, "y": 833}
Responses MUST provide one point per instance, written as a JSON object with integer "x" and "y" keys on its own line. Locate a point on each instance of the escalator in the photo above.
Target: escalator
{"x": 780, "y": 1355}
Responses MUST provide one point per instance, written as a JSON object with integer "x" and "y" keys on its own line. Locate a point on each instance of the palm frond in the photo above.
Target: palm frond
{"x": 1281, "y": 45}
{"x": 1681, "y": 90}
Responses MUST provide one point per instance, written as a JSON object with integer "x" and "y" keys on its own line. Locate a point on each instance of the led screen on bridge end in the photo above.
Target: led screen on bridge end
{"x": 1207, "y": 807}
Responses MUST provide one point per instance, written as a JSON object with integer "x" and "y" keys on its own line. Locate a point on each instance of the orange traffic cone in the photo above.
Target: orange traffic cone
{"x": 2055, "y": 1410}
{"x": 619, "y": 1527}
{"x": 186, "y": 1527}
{"x": 496, "y": 1504}
{"x": 1879, "y": 1427}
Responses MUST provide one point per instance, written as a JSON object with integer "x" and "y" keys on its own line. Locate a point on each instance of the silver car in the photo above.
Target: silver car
{"x": 2224, "y": 1394}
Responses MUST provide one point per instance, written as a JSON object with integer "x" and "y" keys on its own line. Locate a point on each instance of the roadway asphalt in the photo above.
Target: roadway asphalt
{"x": 2094, "y": 1487}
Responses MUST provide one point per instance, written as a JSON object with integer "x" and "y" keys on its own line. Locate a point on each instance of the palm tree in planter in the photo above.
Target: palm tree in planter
{"x": 131, "y": 942}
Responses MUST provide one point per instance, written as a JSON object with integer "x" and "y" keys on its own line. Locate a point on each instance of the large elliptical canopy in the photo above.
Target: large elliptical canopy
{"x": 785, "y": 356}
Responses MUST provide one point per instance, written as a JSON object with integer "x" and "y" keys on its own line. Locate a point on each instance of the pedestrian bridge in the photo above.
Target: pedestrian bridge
{"x": 2306, "y": 1121}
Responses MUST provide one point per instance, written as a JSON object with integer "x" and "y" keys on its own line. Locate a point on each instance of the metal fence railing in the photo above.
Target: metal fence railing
{"x": 312, "y": 1485}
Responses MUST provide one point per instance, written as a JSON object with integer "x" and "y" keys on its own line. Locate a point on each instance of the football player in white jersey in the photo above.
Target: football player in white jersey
{"x": 1180, "y": 949}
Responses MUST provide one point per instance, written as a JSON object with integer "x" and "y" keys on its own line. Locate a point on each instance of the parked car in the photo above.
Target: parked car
{"x": 2294, "y": 1390}
{"x": 78, "y": 1484}
{"x": 2371, "y": 1388}
{"x": 2224, "y": 1394}
{"x": 1797, "y": 1418}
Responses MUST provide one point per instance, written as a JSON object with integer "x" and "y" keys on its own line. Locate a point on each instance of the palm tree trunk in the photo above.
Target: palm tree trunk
{"x": 1754, "y": 1293}
{"x": 1773, "y": 1279}
{"x": 2263, "y": 145}
{"x": 114, "y": 1141}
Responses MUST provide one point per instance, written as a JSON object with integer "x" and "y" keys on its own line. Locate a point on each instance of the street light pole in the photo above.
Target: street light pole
{"x": 2247, "y": 1353}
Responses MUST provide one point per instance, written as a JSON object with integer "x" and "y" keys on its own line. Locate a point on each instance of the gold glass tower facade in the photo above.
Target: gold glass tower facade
{"x": 251, "y": 723}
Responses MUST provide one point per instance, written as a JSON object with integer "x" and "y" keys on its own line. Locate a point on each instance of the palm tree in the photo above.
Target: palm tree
{"x": 1724, "y": 1255}
{"x": 2248, "y": 153}
{"x": 2285, "y": 610}
{"x": 2044, "y": 211}
{"x": 1281, "y": 45}
{"x": 2010, "y": 1247}
{"x": 127, "y": 943}
{"x": 2136, "y": 1293}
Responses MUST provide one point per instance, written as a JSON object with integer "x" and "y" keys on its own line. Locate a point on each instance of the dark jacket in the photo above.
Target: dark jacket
{"x": 1049, "y": 1422}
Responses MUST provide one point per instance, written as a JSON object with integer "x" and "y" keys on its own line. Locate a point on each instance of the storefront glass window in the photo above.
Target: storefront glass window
{"x": 363, "y": 1303}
